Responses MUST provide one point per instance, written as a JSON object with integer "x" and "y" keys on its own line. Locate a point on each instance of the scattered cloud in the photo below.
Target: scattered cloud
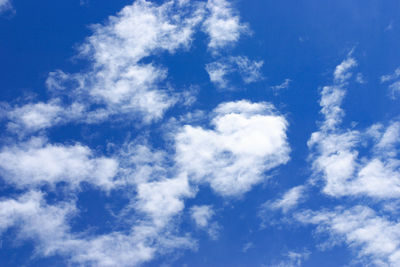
{"x": 117, "y": 82}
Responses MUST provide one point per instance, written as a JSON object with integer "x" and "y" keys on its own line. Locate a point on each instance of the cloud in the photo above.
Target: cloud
{"x": 293, "y": 259}
{"x": 336, "y": 151}
{"x": 117, "y": 82}
{"x": 35, "y": 162}
{"x": 394, "y": 87}
{"x": 220, "y": 70}
{"x": 390, "y": 77}
{"x": 281, "y": 86}
{"x": 33, "y": 117}
{"x": 222, "y": 25}
{"x": 155, "y": 202}
{"x": 248, "y": 139}
{"x": 342, "y": 72}
{"x": 201, "y": 215}
{"x": 288, "y": 201}
{"x": 5, "y": 5}
{"x": 377, "y": 238}
{"x": 359, "y": 164}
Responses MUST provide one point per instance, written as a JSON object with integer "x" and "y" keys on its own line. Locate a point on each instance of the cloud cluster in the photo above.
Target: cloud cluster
{"x": 359, "y": 164}
{"x": 123, "y": 81}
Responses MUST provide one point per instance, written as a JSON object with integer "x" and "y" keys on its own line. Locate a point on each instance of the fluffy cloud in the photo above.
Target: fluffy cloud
{"x": 359, "y": 164}
{"x": 219, "y": 71}
{"x": 248, "y": 139}
{"x": 336, "y": 151}
{"x": 222, "y": 25}
{"x": 201, "y": 215}
{"x": 117, "y": 82}
{"x": 36, "y": 162}
{"x": 376, "y": 238}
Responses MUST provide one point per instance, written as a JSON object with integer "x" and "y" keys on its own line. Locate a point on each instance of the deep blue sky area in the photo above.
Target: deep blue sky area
{"x": 303, "y": 46}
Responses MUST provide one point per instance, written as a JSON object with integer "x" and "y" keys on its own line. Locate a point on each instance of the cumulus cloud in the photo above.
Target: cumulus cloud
{"x": 244, "y": 142}
{"x": 37, "y": 162}
{"x": 248, "y": 139}
{"x": 220, "y": 71}
{"x": 222, "y": 25}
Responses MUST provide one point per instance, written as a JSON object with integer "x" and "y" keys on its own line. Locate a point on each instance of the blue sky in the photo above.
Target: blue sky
{"x": 199, "y": 133}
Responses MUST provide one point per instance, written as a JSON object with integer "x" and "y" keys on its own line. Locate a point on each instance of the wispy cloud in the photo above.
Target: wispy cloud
{"x": 282, "y": 86}
{"x": 394, "y": 87}
{"x": 220, "y": 71}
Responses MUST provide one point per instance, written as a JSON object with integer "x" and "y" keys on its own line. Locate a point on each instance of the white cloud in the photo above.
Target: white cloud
{"x": 33, "y": 117}
{"x": 202, "y": 216}
{"x": 376, "y": 237}
{"x": 336, "y": 151}
{"x": 222, "y": 25}
{"x": 390, "y": 77}
{"x": 117, "y": 82}
{"x": 248, "y": 139}
{"x": 293, "y": 259}
{"x": 359, "y": 164}
{"x": 394, "y": 87}
{"x": 219, "y": 71}
{"x": 360, "y": 78}
{"x": 342, "y": 72}
{"x": 288, "y": 201}
{"x": 156, "y": 201}
{"x": 281, "y": 86}
{"x": 36, "y": 162}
